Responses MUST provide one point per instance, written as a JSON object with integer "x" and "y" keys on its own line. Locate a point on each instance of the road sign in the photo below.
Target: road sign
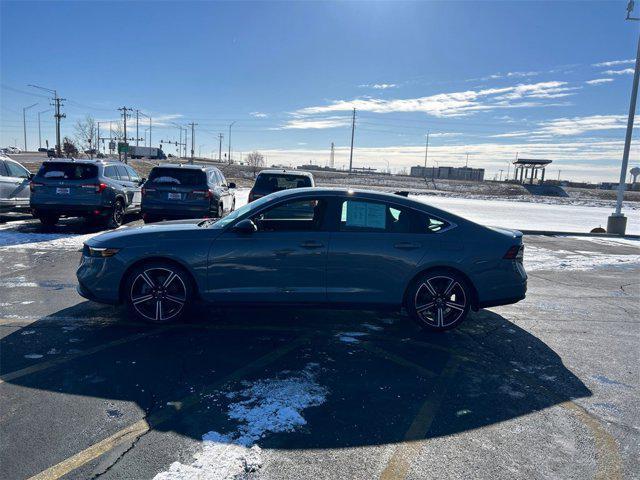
{"x": 123, "y": 147}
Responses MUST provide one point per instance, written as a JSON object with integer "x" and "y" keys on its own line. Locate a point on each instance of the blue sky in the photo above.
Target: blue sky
{"x": 541, "y": 79}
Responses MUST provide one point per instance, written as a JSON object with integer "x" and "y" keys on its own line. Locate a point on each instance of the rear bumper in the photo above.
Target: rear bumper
{"x": 70, "y": 210}
{"x": 13, "y": 205}
{"x": 181, "y": 212}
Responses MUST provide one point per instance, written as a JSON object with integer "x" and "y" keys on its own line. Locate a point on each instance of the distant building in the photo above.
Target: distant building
{"x": 449, "y": 173}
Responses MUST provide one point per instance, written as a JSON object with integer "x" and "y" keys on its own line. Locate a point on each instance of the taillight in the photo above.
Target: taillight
{"x": 97, "y": 187}
{"x": 515, "y": 252}
{"x": 203, "y": 193}
{"x": 33, "y": 185}
{"x": 253, "y": 196}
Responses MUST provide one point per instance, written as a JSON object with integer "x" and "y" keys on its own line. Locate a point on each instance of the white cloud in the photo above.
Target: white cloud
{"x": 445, "y": 134}
{"x": 455, "y": 103}
{"x": 258, "y": 114}
{"x": 315, "y": 123}
{"x": 570, "y": 126}
{"x": 522, "y": 74}
{"x": 613, "y": 63}
{"x": 626, "y": 71}
{"x": 378, "y": 86}
{"x": 598, "y": 81}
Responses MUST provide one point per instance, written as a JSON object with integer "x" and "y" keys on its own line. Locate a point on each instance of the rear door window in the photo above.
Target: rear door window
{"x": 68, "y": 171}
{"x": 110, "y": 172}
{"x": 366, "y": 216}
{"x": 122, "y": 173}
{"x": 177, "y": 177}
{"x": 133, "y": 175}
{"x": 3, "y": 169}
{"x": 16, "y": 170}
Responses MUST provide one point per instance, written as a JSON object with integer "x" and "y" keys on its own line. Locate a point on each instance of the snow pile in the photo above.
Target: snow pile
{"x": 45, "y": 241}
{"x": 265, "y": 406}
{"x": 537, "y": 258}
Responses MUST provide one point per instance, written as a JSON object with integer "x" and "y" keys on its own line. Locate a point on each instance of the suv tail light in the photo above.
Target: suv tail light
{"x": 253, "y": 196}
{"x": 98, "y": 187}
{"x": 203, "y": 193}
{"x": 144, "y": 190}
{"x": 33, "y": 185}
{"x": 516, "y": 252}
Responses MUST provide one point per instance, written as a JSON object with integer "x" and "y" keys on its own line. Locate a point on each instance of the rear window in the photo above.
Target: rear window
{"x": 272, "y": 182}
{"x": 67, "y": 171}
{"x": 177, "y": 176}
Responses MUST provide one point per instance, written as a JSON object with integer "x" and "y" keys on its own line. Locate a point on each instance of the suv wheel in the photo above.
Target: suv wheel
{"x": 48, "y": 219}
{"x": 439, "y": 300}
{"x": 116, "y": 217}
{"x": 158, "y": 292}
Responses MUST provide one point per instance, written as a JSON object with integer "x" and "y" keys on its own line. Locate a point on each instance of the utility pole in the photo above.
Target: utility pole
{"x": 58, "y": 116}
{"x": 137, "y": 128}
{"x": 126, "y": 143}
{"x": 39, "y": 130}
{"x": 193, "y": 138}
{"x": 617, "y": 222}
{"x": 353, "y": 129}
{"x": 466, "y": 165}
{"x": 332, "y": 157}
{"x": 24, "y": 123}
{"x": 220, "y": 137}
{"x": 230, "y": 125}
{"x": 426, "y": 151}
{"x": 559, "y": 174}
{"x": 501, "y": 170}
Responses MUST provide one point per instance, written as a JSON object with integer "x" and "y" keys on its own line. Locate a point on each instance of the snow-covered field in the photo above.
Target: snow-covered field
{"x": 531, "y": 216}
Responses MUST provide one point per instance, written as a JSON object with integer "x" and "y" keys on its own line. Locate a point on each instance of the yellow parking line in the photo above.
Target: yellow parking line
{"x": 58, "y": 361}
{"x": 398, "y": 359}
{"x": 134, "y": 431}
{"x": 400, "y": 462}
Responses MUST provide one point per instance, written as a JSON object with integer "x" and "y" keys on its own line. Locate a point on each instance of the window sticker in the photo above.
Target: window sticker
{"x": 366, "y": 215}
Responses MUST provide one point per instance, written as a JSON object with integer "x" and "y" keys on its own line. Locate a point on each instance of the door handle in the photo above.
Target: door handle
{"x": 407, "y": 245}
{"x": 311, "y": 244}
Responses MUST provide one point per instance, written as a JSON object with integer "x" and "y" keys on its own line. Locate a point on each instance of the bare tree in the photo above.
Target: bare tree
{"x": 69, "y": 148}
{"x": 86, "y": 133}
{"x": 255, "y": 160}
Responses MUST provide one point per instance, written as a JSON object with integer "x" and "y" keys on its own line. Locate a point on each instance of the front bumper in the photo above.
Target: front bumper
{"x": 99, "y": 279}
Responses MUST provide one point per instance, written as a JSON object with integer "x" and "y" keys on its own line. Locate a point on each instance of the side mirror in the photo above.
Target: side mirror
{"x": 245, "y": 226}
{"x": 31, "y": 175}
{"x": 232, "y": 185}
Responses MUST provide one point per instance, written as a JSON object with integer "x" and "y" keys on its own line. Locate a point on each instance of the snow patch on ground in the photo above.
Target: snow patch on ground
{"x": 265, "y": 406}
{"x": 12, "y": 240}
{"x": 538, "y": 258}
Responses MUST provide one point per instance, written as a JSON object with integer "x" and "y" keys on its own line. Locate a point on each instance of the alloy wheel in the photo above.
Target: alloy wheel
{"x": 158, "y": 294}
{"x": 118, "y": 214}
{"x": 440, "y": 301}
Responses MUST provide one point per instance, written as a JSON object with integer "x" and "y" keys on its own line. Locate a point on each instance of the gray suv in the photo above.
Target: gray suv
{"x": 102, "y": 191}
{"x": 176, "y": 191}
{"x": 14, "y": 186}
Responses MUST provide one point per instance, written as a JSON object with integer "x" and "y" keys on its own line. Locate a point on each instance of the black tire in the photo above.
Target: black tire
{"x": 233, "y": 205}
{"x": 48, "y": 220}
{"x": 158, "y": 292}
{"x": 439, "y": 300}
{"x": 116, "y": 215}
{"x": 150, "y": 219}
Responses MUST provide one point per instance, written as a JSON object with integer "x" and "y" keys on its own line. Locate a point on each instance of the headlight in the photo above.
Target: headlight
{"x": 99, "y": 252}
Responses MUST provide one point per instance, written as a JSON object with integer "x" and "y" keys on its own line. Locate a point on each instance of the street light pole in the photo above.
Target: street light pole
{"x": 230, "y": 125}
{"x": 617, "y": 222}
{"x": 24, "y": 123}
{"x": 39, "y": 131}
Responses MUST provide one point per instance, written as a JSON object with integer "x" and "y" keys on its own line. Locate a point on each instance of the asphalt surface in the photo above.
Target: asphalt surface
{"x": 546, "y": 388}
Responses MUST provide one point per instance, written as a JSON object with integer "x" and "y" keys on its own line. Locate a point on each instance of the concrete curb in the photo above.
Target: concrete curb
{"x": 578, "y": 234}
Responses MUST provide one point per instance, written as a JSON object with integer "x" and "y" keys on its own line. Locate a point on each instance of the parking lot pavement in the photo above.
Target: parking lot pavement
{"x": 544, "y": 388}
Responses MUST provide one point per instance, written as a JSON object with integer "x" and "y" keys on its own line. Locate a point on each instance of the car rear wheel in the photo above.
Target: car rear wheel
{"x": 116, "y": 216}
{"x": 439, "y": 300}
{"x": 158, "y": 292}
{"x": 48, "y": 220}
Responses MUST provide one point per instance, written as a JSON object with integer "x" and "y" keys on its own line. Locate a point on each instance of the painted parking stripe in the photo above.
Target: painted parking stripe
{"x": 380, "y": 352}
{"x": 132, "y": 432}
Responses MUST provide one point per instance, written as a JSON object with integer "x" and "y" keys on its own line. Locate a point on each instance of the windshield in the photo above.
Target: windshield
{"x": 273, "y": 182}
{"x": 224, "y": 221}
{"x": 177, "y": 176}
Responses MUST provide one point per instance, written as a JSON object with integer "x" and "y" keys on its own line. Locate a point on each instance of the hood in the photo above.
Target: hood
{"x": 146, "y": 233}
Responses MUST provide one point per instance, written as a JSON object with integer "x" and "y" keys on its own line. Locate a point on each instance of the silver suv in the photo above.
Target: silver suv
{"x": 14, "y": 186}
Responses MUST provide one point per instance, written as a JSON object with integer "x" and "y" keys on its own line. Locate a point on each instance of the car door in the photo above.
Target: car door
{"x": 127, "y": 186}
{"x": 6, "y": 183}
{"x": 135, "y": 186}
{"x": 18, "y": 181}
{"x": 283, "y": 261}
{"x": 225, "y": 194}
{"x": 374, "y": 251}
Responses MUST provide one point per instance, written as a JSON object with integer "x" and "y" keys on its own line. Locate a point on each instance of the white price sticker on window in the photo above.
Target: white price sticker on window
{"x": 365, "y": 215}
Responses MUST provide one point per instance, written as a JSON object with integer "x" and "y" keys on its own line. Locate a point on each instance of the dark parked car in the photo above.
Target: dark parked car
{"x": 186, "y": 191}
{"x": 269, "y": 181}
{"x": 101, "y": 191}
{"x": 311, "y": 246}
{"x": 14, "y": 186}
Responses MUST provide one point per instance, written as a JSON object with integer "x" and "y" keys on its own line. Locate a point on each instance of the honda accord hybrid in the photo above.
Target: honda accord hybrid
{"x": 310, "y": 246}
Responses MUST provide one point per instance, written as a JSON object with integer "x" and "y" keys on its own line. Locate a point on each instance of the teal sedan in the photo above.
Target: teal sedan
{"x": 310, "y": 246}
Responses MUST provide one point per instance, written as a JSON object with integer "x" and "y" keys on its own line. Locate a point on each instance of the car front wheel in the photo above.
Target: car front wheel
{"x": 158, "y": 292}
{"x": 439, "y": 300}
